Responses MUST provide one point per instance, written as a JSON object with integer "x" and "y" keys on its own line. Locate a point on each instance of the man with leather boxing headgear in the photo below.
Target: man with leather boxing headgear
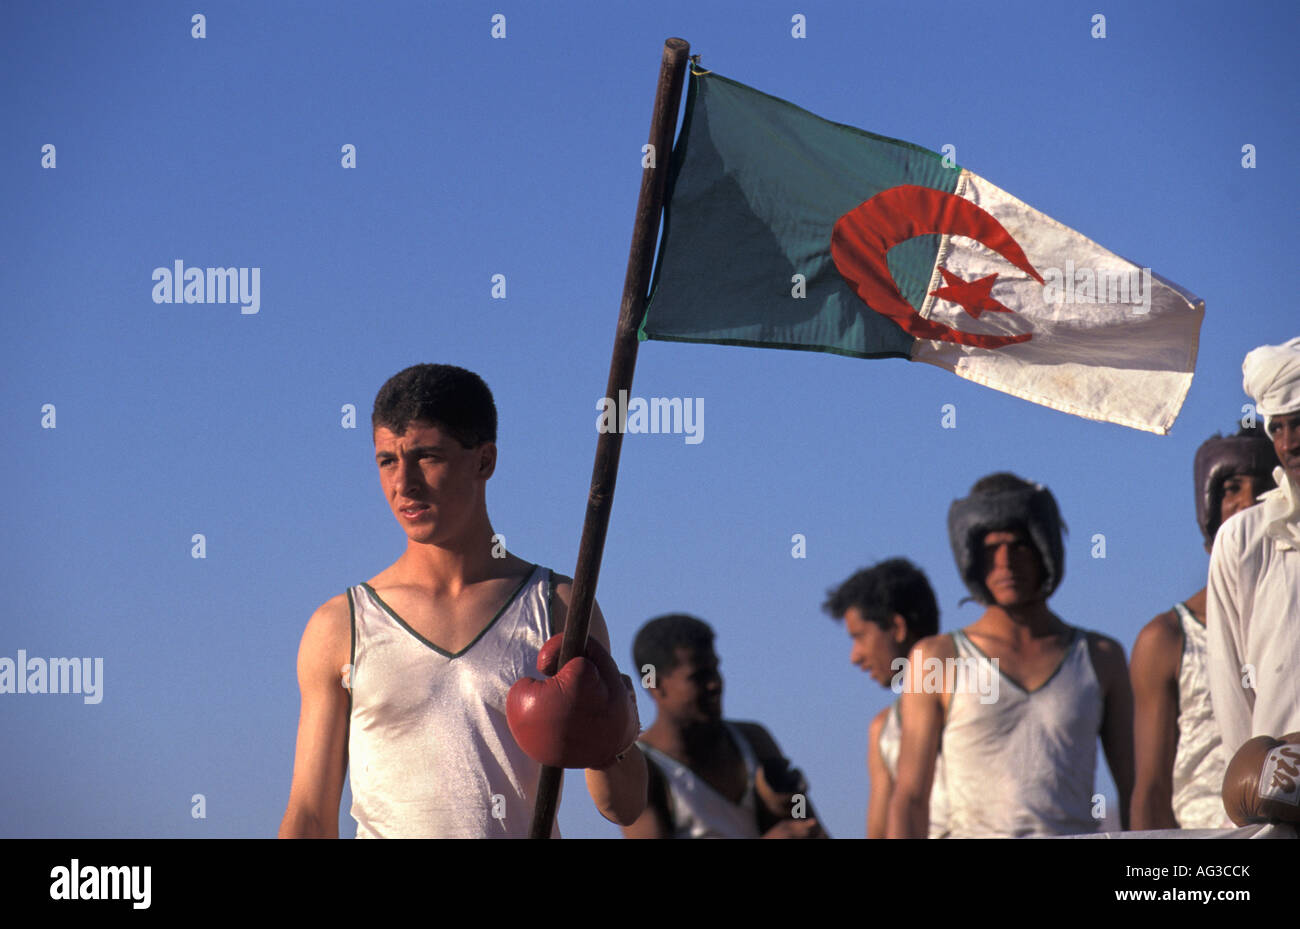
{"x": 412, "y": 681}
{"x": 1178, "y": 752}
{"x": 1020, "y": 763}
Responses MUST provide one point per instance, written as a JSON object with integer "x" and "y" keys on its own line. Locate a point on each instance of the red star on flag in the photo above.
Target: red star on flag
{"x": 971, "y": 296}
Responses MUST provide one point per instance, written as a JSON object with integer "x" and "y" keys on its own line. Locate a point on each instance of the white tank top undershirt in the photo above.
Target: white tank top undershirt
{"x": 430, "y": 753}
{"x": 1199, "y": 762}
{"x": 1024, "y": 764}
{"x": 698, "y": 811}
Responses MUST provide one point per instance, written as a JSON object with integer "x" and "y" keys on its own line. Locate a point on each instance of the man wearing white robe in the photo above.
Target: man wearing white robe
{"x": 1253, "y": 600}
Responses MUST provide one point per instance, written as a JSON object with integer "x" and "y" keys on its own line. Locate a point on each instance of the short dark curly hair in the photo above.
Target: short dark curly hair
{"x": 892, "y": 586}
{"x": 657, "y": 641}
{"x": 455, "y": 400}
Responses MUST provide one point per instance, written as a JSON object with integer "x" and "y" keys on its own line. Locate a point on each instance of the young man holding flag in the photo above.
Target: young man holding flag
{"x": 428, "y": 680}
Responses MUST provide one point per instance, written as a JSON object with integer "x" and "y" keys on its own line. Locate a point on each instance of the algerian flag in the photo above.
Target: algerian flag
{"x": 784, "y": 230}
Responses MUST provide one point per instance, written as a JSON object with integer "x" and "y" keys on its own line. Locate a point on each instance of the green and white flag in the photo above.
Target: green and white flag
{"x": 785, "y": 230}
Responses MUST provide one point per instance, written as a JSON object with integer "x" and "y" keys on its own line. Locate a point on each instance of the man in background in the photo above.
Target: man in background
{"x": 1179, "y": 758}
{"x": 1253, "y": 596}
{"x": 886, "y": 610}
{"x": 708, "y": 777}
{"x": 1019, "y": 761}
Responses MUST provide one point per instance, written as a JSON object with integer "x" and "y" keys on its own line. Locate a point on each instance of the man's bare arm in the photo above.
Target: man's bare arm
{"x": 320, "y": 758}
{"x": 882, "y": 785}
{"x": 653, "y": 821}
{"x": 779, "y": 801}
{"x": 922, "y": 728}
{"x": 1153, "y": 673}
{"x": 618, "y": 791}
{"x": 1117, "y": 718}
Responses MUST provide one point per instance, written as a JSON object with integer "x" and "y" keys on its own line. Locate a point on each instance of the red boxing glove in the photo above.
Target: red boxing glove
{"x": 583, "y": 717}
{"x": 1262, "y": 783}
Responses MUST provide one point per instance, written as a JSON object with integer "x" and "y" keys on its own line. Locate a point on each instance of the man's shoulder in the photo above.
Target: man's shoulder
{"x": 328, "y": 636}
{"x": 1245, "y": 522}
{"x": 1158, "y": 648}
{"x": 1106, "y": 653}
{"x": 939, "y": 645}
{"x": 526, "y": 571}
{"x": 1163, "y": 631}
{"x": 1243, "y": 528}
{"x": 759, "y": 739}
{"x": 1099, "y": 640}
{"x": 560, "y": 589}
{"x": 1240, "y": 546}
{"x": 560, "y": 580}
{"x": 333, "y": 614}
{"x": 750, "y": 729}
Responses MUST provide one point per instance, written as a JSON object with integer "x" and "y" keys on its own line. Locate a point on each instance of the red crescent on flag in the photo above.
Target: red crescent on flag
{"x": 865, "y": 234}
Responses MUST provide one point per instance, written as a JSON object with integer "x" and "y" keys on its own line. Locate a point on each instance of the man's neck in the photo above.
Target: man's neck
{"x": 1021, "y": 622}
{"x": 447, "y": 569}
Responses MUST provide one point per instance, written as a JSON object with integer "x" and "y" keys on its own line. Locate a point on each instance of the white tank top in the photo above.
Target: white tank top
{"x": 1024, "y": 764}
{"x": 429, "y": 750}
{"x": 1199, "y": 762}
{"x": 891, "y": 741}
{"x": 700, "y": 812}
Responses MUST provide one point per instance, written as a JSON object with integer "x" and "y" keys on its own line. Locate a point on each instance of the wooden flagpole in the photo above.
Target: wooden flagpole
{"x": 600, "y": 499}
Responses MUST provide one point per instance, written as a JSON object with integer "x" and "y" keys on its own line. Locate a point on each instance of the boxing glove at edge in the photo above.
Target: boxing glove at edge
{"x": 1262, "y": 782}
{"x": 583, "y": 716}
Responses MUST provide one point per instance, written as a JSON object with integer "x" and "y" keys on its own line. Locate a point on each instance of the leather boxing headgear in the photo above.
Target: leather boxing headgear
{"x": 1032, "y": 507}
{"x": 1219, "y": 458}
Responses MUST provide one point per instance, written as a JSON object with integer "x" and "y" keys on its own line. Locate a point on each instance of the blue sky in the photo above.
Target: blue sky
{"x": 520, "y": 156}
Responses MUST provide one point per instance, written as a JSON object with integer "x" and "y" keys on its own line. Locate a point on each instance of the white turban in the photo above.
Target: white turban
{"x": 1271, "y": 375}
